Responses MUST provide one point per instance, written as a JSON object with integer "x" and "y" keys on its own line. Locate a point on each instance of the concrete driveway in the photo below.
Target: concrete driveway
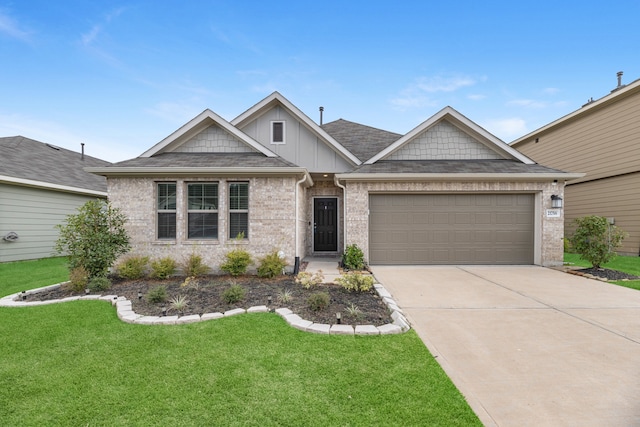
{"x": 527, "y": 345}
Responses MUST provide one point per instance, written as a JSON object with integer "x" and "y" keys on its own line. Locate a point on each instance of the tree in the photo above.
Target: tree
{"x": 94, "y": 237}
{"x": 596, "y": 240}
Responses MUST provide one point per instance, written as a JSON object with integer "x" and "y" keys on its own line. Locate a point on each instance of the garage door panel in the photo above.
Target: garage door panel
{"x": 451, "y": 229}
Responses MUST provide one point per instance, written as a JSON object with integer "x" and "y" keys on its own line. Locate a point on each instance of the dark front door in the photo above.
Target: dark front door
{"x": 325, "y": 227}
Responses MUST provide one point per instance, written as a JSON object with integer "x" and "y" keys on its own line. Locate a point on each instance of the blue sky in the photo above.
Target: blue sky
{"x": 121, "y": 76}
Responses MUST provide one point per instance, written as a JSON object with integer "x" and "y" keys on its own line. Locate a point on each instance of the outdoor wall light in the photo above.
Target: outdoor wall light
{"x": 556, "y": 202}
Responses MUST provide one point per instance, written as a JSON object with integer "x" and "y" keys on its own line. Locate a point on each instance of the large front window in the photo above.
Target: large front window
{"x": 238, "y": 209}
{"x": 166, "y": 210}
{"x": 202, "y": 210}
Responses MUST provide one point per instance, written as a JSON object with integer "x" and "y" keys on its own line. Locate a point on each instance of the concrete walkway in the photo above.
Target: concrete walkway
{"x": 328, "y": 266}
{"x": 526, "y": 345}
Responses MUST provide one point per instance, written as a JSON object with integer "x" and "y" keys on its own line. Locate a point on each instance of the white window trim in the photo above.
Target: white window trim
{"x": 284, "y": 132}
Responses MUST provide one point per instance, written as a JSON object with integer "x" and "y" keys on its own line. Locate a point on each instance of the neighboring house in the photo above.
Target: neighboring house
{"x": 40, "y": 184}
{"x": 601, "y": 139}
{"x": 448, "y": 192}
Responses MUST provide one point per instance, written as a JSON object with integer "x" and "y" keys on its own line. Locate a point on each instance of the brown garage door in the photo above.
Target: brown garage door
{"x": 451, "y": 228}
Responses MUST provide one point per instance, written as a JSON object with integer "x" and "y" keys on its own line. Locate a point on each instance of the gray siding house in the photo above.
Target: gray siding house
{"x": 40, "y": 184}
{"x": 447, "y": 192}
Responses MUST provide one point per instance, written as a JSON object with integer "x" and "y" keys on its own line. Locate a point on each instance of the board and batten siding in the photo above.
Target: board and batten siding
{"x": 33, "y": 214}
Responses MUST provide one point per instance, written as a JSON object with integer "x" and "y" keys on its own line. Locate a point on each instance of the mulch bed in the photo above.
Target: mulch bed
{"x": 204, "y": 295}
{"x": 607, "y": 274}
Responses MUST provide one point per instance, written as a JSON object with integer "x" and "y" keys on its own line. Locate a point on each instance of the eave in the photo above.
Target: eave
{"x": 50, "y": 186}
{"x": 423, "y": 177}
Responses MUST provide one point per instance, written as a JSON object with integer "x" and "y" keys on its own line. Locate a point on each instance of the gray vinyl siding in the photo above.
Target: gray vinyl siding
{"x": 33, "y": 214}
{"x": 617, "y": 198}
{"x": 301, "y": 146}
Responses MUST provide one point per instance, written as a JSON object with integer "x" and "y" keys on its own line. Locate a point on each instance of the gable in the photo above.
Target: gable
{"x": 444, "y": 141}
{"x": 213, "y": 139}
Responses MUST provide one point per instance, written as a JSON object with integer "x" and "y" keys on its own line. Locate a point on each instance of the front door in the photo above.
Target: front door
{"x": 325, "y": 225}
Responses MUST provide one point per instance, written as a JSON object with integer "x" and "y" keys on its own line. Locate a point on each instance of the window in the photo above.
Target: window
{"x": 166, "y": 210}
{"x": 202, "y": 211}
{"x": 277, "y": 132}
{"x": 238, "y": 209}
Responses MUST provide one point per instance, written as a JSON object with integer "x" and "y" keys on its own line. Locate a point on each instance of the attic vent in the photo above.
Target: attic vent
{"x": 53, "y": 146}
{"x": 277, "y": 132}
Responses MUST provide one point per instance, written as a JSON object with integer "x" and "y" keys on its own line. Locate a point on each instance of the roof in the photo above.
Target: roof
{"x": 199, "y": 160}
{"x": 29, "y": 162}
{"x": 363, "y": 141}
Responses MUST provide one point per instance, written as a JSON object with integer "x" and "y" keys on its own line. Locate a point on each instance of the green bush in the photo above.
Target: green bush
{"x": 353, "y": 258}
{"x": 271, "y": 265}
{"x": 99, "y": 284}
{"x": 133, "y": 267}
{"x": 194, "y": 266}
{"x": 163, "y": 268}
{"x": 233, "y": 294}
{"x": 318, "y": 301}
{"x": 93, "y": 238}
{"x": 157, "y": 294}
{"x": 78, "y": 279}
{"x": 355, "y": 282}
{"x": 308, "y": 280}
{"x": 236, "y": 262}
{"x": 595, "y": 240}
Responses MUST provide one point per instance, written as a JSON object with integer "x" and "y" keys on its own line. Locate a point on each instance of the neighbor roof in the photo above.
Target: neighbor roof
{"x": 29, "y": 162}
{"x": 363, "y": 141}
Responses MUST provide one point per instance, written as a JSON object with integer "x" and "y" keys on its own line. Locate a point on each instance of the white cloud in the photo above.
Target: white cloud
{"x": 507, "y": 129}
{"x": 443, "y": 83}
{"x": 420, "y": 93}
{"x": 550, "y": 90}
{"x": 12, "y": 28}
{"x": 528, "y": 103}
{"x": 477, "y": 97}
{"x": 175, "y": 113}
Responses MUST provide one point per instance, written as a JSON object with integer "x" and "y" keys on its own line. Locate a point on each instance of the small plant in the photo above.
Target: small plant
{"x": 157, "y": 294}
{"x": 308, "y": 280}
{"x": 237, "y": 262}
{"x": 78, "y": 279}
{"x": 132, "y": 267}
{"x": 233, "y": 294}
{"x": 596, "y": 240}
{"x": 99, "y": 284}
{"x": 353, "y": 258}
{"x": 191, "y": 282}
{"x": 178, "y": 303}
{"x": 318, "y": 301}
{"x": 271, "y": 265}
{"x": 284, "y": 296}
{"x": 194, "y": 266}
{"x": 163, "y": 268}
{"x": 355, "y": 282}
{"x": 354, "y": 311}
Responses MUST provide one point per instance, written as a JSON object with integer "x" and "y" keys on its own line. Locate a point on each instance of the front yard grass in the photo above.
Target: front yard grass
{"x": 76, "y": 364}
{"x": 626, "y": 264}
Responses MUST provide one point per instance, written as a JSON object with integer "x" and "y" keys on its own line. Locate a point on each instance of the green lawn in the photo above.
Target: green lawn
{"x": 626, "y": 264}
{"x": 77, "y": 364}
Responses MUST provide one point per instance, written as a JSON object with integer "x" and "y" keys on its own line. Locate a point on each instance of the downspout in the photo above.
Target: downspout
{"x": 296, "y": 266}
{"x": 344, "y": 217}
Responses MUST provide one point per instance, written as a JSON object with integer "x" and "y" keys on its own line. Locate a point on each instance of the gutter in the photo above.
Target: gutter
{"x": 51, "y": 186}
{"x": 344, "y": 217}
{"x": 412, "y": 177}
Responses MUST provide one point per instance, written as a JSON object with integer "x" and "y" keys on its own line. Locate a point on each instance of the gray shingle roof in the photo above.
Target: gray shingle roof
{"x": 363, "y": 141}
{"x": 210, "y": 160}
{"x": 453, "y": 166}
{"x": 30, "y": 159}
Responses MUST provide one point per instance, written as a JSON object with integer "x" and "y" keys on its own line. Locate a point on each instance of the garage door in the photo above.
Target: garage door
{"x": 451, "y": 228}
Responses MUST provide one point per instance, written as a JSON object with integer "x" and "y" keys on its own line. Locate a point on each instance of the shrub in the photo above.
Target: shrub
{"x": 354, "y": 311}
{"x": 179, "y": 303}
{"x": 355, "y": 282}
{"x": 99, "y": 284}
{"x": 353, "y": 258}
{"x": 318, "y": 301}
{"x": 157, "y": 294}
{"x": 271, "y": 265}
{"x": 93, "y": 238}
{"x": 163, "y": 268}
{"x": 78, "y": 279}
{"x": 285, "y": 296}
{"x": 233, "y": 294}
{"x": 194, "y": 266}
{"x": 133, "y": 267}
{"x": 596, "y": 240}
{"x": 237, "y": 262}
{"x": 308, "y": 280}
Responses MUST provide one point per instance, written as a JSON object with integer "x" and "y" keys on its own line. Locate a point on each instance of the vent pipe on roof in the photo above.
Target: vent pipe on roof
{"x": 321, "y": 110}
{"x": 619, "y": 74}
{"x": 82, "y": 146}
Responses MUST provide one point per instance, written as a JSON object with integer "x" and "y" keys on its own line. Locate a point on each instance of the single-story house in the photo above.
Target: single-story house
{"x": 601, "y": 139}
{"x": 447, "y": 192}
{"x": 40, "y": 184}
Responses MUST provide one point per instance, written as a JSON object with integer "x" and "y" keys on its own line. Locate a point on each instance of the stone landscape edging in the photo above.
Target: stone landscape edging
{"x": 126, "y": 314}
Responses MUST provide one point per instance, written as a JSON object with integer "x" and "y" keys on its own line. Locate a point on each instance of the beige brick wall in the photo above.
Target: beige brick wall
{"x": 271, "y": 218}
{"x": 548, "y": 232}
